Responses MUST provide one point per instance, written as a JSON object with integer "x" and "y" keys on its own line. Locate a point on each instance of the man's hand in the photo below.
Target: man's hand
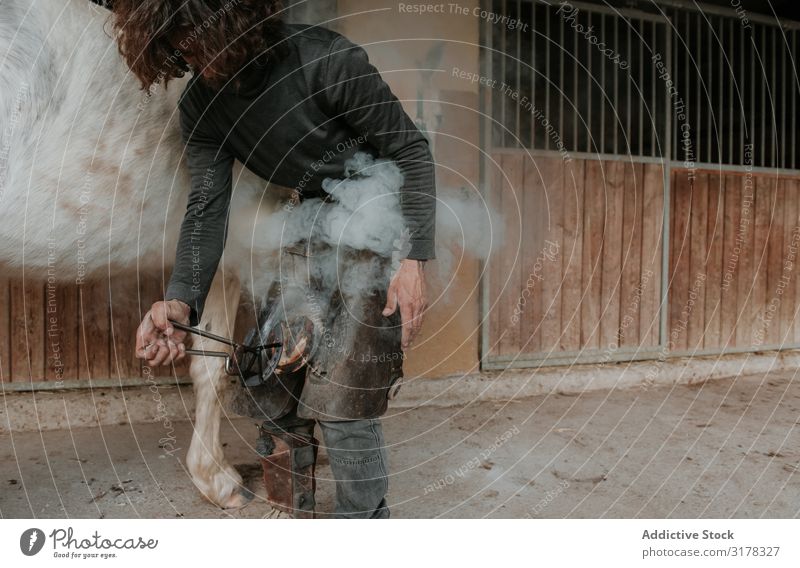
{"x": 407, "y": 289}
{"x": 157, "y": 341}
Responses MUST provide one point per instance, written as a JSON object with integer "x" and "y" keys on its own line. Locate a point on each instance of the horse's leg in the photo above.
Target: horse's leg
{"x": 216, "y": 479}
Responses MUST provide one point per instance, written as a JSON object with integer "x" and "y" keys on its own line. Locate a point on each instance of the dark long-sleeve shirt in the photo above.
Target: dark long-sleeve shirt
{"x": 294, "y": 122}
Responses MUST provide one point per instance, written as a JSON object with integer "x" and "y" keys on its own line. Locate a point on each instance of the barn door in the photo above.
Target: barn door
{"x": 577, "y": 142}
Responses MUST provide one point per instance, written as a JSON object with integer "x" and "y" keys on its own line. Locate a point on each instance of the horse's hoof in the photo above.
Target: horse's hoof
{"x": 239, "y": 499}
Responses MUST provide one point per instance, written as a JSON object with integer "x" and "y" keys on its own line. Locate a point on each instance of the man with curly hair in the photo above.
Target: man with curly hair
{"x": 277, "y": 97}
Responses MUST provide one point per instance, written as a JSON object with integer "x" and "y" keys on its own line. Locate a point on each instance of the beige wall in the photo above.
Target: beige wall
{"x": 402, "y": 46}
{"x": 396, "y": 40}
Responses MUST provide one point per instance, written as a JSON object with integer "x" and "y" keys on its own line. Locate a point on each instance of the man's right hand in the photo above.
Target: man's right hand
{"x": 157, "y": 341}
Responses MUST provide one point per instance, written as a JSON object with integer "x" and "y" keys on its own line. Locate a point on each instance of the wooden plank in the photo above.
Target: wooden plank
{"x": 592, "y": 262}
{"x": 680, "y": 254}
{"x": 572, "y": 254}
{"x": 493, "y": 313}
{"x": 790, "y": 262}
{"x": 532, "y": 239}
{"x": 773, "y": 300}
{"x": 732, "y": 260}
{"x": 744, "y": 294}
{"x": 697, "y": 263}
{"x": 630, "y": 306}
{"x": 93, "y": 340}
{"x": 794, "y": 189}
{"x": 763, "y": 214}
{"x": 5, "y": 326}
{"x": 612, "y": 254}
{"x": 536, "y": 202}
{"x": 714, "y": 242}
{"x": 27, "y": 330}
{"x": 495, "y": 198}
{"x": 512, "y": 212}
{"x": 124, "y": 319}
{"x": 652, "y": 232}
{"x": 62, "y": 330}
{"x": 549, "y": 256}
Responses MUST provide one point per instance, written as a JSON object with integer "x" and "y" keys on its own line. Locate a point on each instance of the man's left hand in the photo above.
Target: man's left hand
{"x": 407, "y": 289}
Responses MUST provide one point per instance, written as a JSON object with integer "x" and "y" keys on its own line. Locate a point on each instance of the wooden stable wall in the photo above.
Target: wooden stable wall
{"x": 578, "y": 277}
{"x": 74, "y": 333}
{"x": 731, "y": 285}
{"x": 580, "y": 268}
{"x": 733, "y": 257}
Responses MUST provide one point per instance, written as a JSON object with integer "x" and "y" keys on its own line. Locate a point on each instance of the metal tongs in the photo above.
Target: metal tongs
{"x": 245, "y": 356}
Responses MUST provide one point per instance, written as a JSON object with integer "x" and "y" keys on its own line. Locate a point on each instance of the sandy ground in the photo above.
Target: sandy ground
{"x": 722, "y": 449}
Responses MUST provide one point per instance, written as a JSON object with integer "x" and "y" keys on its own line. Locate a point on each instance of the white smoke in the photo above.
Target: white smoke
{"x": 467, "y": 228}
{"x": 364, "y": 214}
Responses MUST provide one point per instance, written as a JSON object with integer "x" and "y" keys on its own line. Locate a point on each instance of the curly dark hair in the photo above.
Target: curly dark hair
{"x": 222, "y": 36}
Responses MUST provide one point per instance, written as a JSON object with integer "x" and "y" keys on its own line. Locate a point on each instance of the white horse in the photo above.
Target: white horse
{"x": 92, "y": 179}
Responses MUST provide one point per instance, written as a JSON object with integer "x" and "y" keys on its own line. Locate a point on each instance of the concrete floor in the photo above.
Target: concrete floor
{"x": 727, "y": 448}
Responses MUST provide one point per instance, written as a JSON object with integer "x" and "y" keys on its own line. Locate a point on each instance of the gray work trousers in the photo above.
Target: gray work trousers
{"x": 357, "y": 454}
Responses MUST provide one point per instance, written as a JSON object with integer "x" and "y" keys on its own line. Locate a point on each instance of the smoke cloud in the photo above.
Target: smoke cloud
{"x": 363, "y": 213}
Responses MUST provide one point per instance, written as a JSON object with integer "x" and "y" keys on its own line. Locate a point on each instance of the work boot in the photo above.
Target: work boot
{"x": 288, "y": 457}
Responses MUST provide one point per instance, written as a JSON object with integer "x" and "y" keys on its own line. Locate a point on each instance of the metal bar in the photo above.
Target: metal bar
{"x": 518, "y": 129}
{"x": 745, "y": 135}
{"x": 720, "y": 118}
{"x": 602, "y": 146}
{"x": 547, "y": 76}
{"x": 534, "y": 70}
{"x": 609, "y": 10}
{"x": 203, "y": 333}
{"x": 503, "y": 98}
{"x": 532, "y": 152}
{"x": 640, "y": 29}
{"x": 734, "y": 350}
{"x": 628, "y": 125}
{"x": 731, "y": 100}
{"x": 686, "y": 89}
{"x": 763, "y": 122}
{"x": 779, "y": 146}
{"x": 752, "y": 133}
{"x": 735, "y": 168}
{"x": 485, "y": 127}
{"x": 783, "y": 145}
{"x": 773, "y": 100}
{"x": 561, "y": 81}
{"x": 616, "y": 88}
{"x": 575, "y": 93}
{"x": 654, "y": 102}
{"x": 796, "y": 93}
{"x": 590, "y": 85}
{"x": 710, "y": 119}
{"x": 207, "y": 353}
{"x": 663, "y": 331}
{"x": 621, "y": 355}
{"x": 700, "y": 86}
